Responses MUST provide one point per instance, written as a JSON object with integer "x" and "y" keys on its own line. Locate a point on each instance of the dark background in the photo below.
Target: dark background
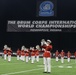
{"x": 26, "y": 10}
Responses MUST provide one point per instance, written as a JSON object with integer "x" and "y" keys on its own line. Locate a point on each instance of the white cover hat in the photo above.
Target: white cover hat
{"x": 49, "y": 41}
{"x": 5, "y": 46}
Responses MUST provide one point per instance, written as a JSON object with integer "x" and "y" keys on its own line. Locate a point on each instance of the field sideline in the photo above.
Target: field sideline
{"x": 22, "y": 68}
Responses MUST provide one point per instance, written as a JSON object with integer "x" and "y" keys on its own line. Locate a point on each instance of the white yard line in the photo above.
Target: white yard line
{"x": 32, "y": 69}
{"x": 9, "y": 63}
{"x": 60, "y": 66}
{"x": 69, "y": 64}
{"x": 63, "y": 65}
{"x": 22, "y": 71}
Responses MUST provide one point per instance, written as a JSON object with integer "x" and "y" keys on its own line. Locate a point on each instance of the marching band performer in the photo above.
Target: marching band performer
{"x": 43, "y": 55}
{"x": 27, "y": 54}
{"x": 32, "y": 54}
{"x": 75, "y": 56}
{"x": 56, "y": 55}
{"x": 47, "y": 54}
{"x": 68, "y": 56}
{"x": 18, "y": 54}
{"x": 62, "y": 56}
{"x": 5, "y": 52}
{"x": 22, "y": 53}
{"x": 9, "y": 54}
{"x": 37, "y": 52}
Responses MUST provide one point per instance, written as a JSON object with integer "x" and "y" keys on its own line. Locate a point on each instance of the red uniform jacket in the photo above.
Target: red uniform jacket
{"x": 26, "y": 53}
{"x": 62, "y": 54}
{"x": 75, "y": 54}
{"x": 18, "y": 52}
{"x": 9, "y": 52}
{"x": 33, "y": 53}
{"x": 22, "y": 53}
{"x": 56, "y": 53}
{"x": 68, "y": 54}
{"x": 47, "y": 50}
{"x": 36, "y": 52}
{"x": 5, "y": 51}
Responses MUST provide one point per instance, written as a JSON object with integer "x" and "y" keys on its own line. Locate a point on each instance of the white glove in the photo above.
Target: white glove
{"x": 45, "y": 42}
{"x": 42, "y": 43}
{"x": 23, "y": 47}
{"x": 42, "y": 40}
{"x": 43, "y": 49}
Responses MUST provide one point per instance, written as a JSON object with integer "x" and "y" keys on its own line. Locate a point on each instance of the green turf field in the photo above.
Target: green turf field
{"x": 22, "y": 68}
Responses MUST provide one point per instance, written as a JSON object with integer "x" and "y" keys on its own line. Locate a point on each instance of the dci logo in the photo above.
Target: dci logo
{"x": 46, "y": 8}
